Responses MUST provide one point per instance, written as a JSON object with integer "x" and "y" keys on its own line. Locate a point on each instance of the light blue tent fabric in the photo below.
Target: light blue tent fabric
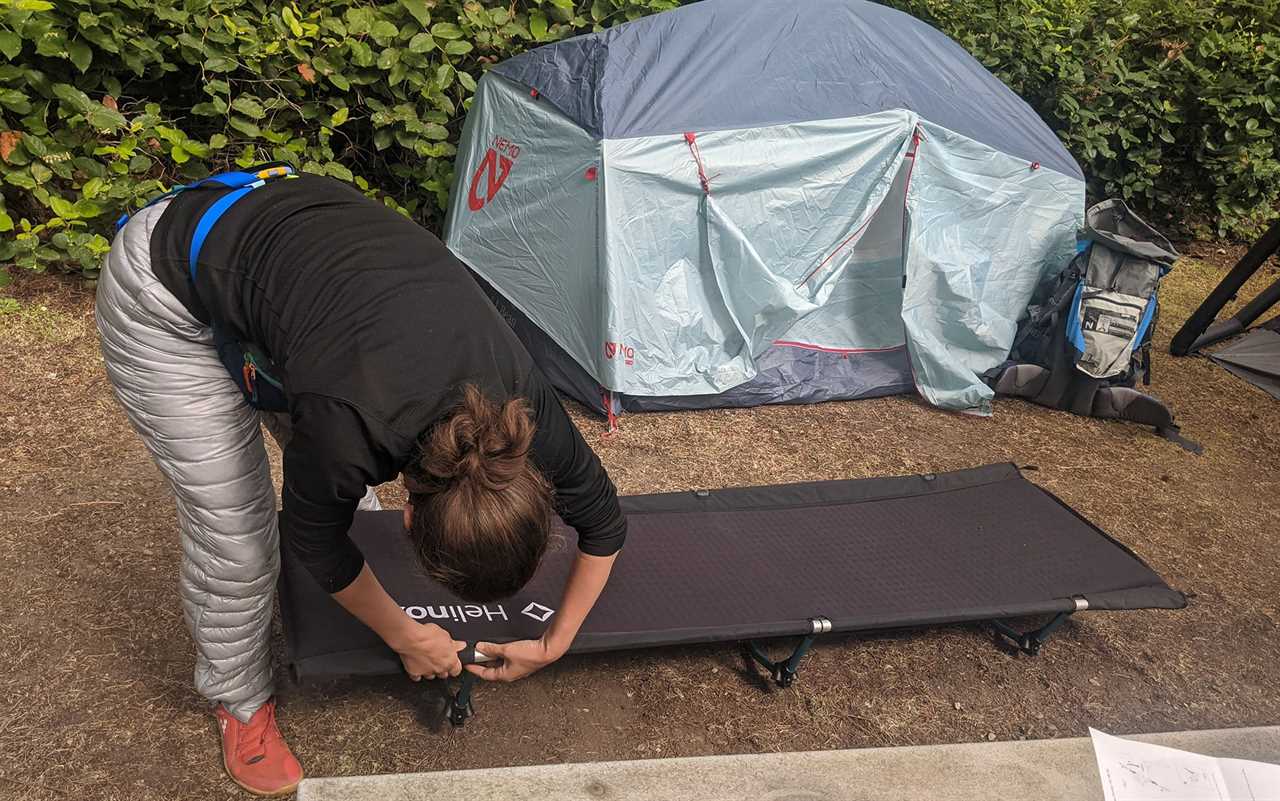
{"x": 754, "y": 201}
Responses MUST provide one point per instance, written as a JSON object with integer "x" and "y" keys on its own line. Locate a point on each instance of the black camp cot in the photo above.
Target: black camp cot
{"x": 752, "y": 563}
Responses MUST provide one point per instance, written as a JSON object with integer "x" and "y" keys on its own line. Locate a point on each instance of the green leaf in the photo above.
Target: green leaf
{"x": 359, "y": 20}
{"x": 6, "y": 223}
{"x": 467, "y": 81}
{"x": 566, "y": 5}
{"x": 339, "y": 80}
{"x": 81, "y": 55}
{"x": 179, "y": 154}
{"x": 31, "y": 5}
{"x": 599, "y": 10}
{"x": 105, "y": 119}
{"x": 15, "y": 101}
{"x": 362, "y": 54}
{"x": 10, "y": 44}
{"x": 436, "y": 131}
{"x": 35, "y": 146}
{"x": 446, "y": 30}
{"x": 421, "y": 43}
{"x": 218, "y": 141}
{"x": 213, "y": 108}
{"x": 92, "y": 188}
{"x": 458, "y": 48}
{"x": 340, "y": 116}
{"x": 245, "y": 127}
{"x": 249, "y": 106}
{"x": 62, "y": 207}
{"x": 22, "y": 180}
{"x": 72, "y": 96}
{"x": 538, "y": 25}
{"x": 419, "y": 10}
{"x": 383, "y": 32}
{"x": 220, "y": 64}
{"x": 291, "y": 20}
{"x": 87, "y": 209}
{"x": 339, "y": 171}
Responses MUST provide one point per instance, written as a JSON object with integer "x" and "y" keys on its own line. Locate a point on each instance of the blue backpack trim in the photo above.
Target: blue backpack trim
{"x": 1075, "y": 332}
{"x": 1148, "y": 315}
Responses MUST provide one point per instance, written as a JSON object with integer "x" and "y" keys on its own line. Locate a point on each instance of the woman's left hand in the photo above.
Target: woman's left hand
{"x": 519, "y": 659}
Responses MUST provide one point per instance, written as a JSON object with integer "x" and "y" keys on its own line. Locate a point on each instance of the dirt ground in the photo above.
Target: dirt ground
{"x": 97, "y": 666}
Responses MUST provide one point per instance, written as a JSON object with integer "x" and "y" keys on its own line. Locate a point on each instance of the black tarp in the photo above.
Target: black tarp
{"x": 743, "y": 563}
{"x": 1255, "y": 357}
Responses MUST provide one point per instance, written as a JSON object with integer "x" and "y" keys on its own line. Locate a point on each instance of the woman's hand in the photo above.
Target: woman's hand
{"x": 428, "y": 650}
{"x": 519, "y": 659}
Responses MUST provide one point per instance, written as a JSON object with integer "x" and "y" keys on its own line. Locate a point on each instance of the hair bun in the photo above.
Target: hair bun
{"x": 479, "y": 442}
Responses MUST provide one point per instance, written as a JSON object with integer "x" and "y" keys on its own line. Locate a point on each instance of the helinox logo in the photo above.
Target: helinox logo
{"x": 538, "y": 612}
{"x": 468, "y": 612}
{"x": 458, "y": 614}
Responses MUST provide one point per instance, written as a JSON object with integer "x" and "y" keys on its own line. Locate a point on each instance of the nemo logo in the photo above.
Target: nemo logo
{"x": 493, "y": 172}
{"x": 612, "y": 349}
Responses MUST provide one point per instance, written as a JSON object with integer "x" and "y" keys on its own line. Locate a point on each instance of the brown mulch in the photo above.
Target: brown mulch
{"x": 97, "y": 664}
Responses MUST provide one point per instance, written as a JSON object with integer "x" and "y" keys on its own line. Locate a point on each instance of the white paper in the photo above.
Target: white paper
{"x": 1134, "y": 771}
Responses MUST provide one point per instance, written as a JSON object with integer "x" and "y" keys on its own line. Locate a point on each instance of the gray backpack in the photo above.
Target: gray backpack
{"x": 1087, "y": 333}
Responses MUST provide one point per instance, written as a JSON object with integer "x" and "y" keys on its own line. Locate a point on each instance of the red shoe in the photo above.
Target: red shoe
{"x": 255, "y": 754}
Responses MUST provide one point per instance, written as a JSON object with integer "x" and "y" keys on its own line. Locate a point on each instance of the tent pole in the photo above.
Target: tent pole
{"x": 1193, "y": 333}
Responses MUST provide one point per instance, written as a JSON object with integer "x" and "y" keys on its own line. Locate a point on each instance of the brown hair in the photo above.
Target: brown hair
{"x": 481, "y": 510}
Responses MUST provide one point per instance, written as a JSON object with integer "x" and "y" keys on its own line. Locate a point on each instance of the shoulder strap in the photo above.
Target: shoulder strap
{"x": 232, "y": 180}
{"x": 206, "y": 222}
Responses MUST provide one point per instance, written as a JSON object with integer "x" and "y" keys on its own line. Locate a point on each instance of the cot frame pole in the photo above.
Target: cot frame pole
{"x": 1030, "y": 642}
{"x": 783, "y": 671}
{"x": 459, "y": 708}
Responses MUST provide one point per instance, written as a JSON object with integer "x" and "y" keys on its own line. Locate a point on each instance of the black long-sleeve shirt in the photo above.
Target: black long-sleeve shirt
{"x": 374, "y": 327}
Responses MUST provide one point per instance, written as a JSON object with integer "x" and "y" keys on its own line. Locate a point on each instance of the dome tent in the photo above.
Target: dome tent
{"x": 761, "y": 201}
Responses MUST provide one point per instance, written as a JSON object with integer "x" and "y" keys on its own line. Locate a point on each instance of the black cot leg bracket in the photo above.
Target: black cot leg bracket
{"x": 1030, "y": 642}
{"x": 458, "y": 708}
{"x": 783, "y": 671}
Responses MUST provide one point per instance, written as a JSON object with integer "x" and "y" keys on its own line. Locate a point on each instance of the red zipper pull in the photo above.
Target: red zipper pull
{"x": 251, "y": 377}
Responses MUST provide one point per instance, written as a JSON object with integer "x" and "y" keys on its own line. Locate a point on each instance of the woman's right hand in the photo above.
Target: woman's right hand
{"x": 428, "y": 650}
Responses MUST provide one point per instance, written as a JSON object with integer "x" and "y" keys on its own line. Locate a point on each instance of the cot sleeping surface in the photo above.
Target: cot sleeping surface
{"x": 746, "y": 563}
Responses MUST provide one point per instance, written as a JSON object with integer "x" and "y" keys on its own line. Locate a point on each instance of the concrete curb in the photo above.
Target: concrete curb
{"x": 1046, "y": 770}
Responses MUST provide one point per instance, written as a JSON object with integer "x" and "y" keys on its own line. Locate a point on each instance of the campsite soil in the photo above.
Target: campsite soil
{"x": 97, "y": 667}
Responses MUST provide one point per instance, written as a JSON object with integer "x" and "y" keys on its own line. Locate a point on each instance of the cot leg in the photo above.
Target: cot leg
{"x": 459, "y": 707}
{"x": 783, "y": 671}
{"x": 1029, "y": 642}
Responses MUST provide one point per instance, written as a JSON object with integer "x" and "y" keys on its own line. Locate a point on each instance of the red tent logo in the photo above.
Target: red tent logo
{"x": 612, "y": 349}
{"x": 494, "y": 169}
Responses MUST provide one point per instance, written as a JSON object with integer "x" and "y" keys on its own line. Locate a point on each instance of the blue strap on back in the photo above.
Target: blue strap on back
{"x": 242, "y": 182}
{"x": 211, "y": 216}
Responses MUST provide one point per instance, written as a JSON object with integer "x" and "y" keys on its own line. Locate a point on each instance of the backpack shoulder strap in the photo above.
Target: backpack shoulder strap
{"x": 234, "y": 179}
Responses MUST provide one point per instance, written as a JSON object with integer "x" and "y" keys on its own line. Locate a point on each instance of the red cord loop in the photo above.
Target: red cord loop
{"x": 692, "y": 139}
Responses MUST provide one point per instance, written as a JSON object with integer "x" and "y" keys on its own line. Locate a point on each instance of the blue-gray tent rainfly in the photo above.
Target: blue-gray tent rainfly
{"x": 762, "y": 201}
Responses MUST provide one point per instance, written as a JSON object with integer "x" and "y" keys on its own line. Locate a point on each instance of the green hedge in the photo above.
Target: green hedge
{"x": 1170, "y": 103}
